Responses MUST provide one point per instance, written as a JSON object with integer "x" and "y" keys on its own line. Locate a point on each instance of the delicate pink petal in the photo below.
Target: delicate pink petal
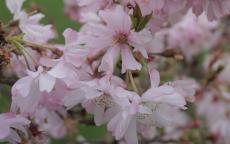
{"x": 22, "y": 87}
{"x": 59, "y": 71}
{"x": 14, "y": 5}
{"x": 109, "y": 59}
{"x": 4, "y": 131}
{"x": 154, "y": 77}
{"x": 46, "y": 82}
{"x": 131, "y": 133}
{"x": 99, "y": 115}
{"x": 116, "y": 19}
{"x": 73, "y": 98}
{"x": 70, "y": 35}
{"x": 128, "y": 61}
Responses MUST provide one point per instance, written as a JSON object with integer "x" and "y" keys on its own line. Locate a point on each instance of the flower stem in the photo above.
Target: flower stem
{"x": 132, "y": 81}
{"x": 42, "y": 47}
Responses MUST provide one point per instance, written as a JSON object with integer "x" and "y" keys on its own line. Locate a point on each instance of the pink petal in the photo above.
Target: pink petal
{"x": 14, "y": 5}
{"x": 154, "y": 77}
{"x": 70, "y": 35}
{"x": 109, "y": 59}
{"x": 128, "y": 60}
{"x": 46, "y": 82}
{"x": 73, "y": 98}
{"x": 117, "y": 19}
{"x": 22, "y": 87}
{"x": 59, "y": 71}
{"x": 4, "y": 131}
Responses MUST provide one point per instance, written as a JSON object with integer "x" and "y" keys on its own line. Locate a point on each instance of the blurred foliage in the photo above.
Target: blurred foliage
{"x": 92, "y": 133}
{"x": 4, "y": 98}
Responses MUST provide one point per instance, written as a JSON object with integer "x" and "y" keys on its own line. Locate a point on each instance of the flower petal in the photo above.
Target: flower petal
{"x": 128, "y": 60}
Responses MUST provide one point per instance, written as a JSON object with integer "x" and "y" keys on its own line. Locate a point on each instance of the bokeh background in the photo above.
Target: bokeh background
{"x": 54, "y": 12}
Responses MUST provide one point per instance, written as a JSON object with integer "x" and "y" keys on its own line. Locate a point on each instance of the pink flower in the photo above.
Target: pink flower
{"x": 73, "y": 65}
{"x": 186, "y": 88}
{"x": 29, "y": 25}
{"x": 27, "y": 91}
{"x": 114, "y": 36}
{"x": 96, "y": 97}
{"x": 156, "y": 107}
{"x": 15, "y": 6}
{"x": 33, "y": 30}
{"x": 44, "y": 80}
{"x": 124, "y": 124}
{"x": 10, "y": 123}
{"x": 162, "y": 94}
{"x": 163, "y": 103}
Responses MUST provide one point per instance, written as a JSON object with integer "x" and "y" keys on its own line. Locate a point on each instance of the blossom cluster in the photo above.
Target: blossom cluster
{"x": 110, "y": 68}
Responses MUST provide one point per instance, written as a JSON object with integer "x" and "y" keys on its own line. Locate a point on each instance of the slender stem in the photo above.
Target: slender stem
{"x": 42, "y": 47}
{"x": 132, "y": 81}
{"x": 170, "y": 53}
{"x": 22, "y": 50}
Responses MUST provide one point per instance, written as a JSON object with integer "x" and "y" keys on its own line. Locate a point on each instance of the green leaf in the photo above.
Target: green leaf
{"x": 138, "y": 20}
{"x": 143, "y": 22}
{"x": 137, "y": 12}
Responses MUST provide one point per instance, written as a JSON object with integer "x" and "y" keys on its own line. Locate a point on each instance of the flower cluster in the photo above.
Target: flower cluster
{"x": 110, "y": 69}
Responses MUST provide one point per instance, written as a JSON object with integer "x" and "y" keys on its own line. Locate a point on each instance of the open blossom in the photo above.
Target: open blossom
{"x": 43, "y": 79}
{"x": 29, "y": 25}
{"x": 10, "y": 123}
{"x": 187, "y": 88}
{"x": 115, "y": 36}
{"x": 107, "y": 69}
{"x": 123, "y": 124}
{"x": 96, "y": 97}
{"x": 72, "y": 66}
{"x": 44, "y": 108}
{"x": 27, "y": 91}
{"x": 143, "y": 113}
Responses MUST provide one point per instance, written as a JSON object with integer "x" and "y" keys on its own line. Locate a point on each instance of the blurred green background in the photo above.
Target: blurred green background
{"x": 54, "y": 11}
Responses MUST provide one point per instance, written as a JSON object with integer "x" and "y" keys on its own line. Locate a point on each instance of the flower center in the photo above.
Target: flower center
{"x": 104, "y": 101}
{"x": 120, "y": 38}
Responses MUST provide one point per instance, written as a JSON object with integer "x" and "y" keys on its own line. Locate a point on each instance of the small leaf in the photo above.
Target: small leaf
{"x": 138, "y": 20}
{"x": 137, "y": 12}
{"x": 143, "y": 22}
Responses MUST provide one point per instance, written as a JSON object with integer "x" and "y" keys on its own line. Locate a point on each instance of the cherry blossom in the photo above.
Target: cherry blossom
{"x": 10, "y": 123}
{"x": 29, "y": 25}
{"x": 114, "y": 37}
{"x": 133, "y": 66}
